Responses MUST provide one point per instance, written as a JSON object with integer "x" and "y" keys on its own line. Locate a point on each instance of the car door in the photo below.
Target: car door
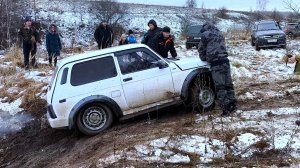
{"x": 142, "y": 80}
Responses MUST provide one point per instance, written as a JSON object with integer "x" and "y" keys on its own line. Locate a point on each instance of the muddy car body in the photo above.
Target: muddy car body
{"x": 266, "y": 34}
{"x": 88, "y": 91}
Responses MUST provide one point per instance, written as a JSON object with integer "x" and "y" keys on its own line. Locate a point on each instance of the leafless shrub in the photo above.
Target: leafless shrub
{"x": 222, "y": 13}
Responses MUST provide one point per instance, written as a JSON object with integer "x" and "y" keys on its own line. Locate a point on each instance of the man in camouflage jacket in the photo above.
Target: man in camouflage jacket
{"x": 213, "y": 50}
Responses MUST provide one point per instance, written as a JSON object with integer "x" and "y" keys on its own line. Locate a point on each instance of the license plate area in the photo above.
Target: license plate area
{"x": 197, "y": 38}
{"x": 272, "y": 40}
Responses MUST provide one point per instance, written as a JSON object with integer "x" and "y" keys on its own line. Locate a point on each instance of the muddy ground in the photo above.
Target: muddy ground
{"x": 38, "y": 145}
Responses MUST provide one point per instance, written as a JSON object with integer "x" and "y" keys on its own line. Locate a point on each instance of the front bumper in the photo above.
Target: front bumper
{"x": 58, "y": 122}
{"x": 271, "y": 42}
{"x": 54, "y": 121}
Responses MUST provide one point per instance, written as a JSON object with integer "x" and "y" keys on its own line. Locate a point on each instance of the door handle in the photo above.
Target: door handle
{"x": 127, "y": 79}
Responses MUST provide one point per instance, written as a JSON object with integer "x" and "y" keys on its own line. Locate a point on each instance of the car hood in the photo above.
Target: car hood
{"x": 189, "y": 63}
{"x": 269, "y": 32}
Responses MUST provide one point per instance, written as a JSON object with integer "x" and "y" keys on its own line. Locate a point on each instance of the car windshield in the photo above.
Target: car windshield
{"x": 268, "y": 26}
{"x": 194, "y": 30}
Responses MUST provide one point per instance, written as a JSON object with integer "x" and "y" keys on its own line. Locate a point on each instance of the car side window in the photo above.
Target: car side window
{"x": 93, "y": 70}
{"x": 136, "y": 61}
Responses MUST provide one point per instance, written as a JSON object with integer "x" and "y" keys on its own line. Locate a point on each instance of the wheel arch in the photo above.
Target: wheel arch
{"x": 189, "y": 81}
{"x": 111, "y": 104}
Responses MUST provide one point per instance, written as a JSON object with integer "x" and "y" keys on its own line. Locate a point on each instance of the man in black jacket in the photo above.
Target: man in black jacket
{"x": 152, "y": 32}
{"x": 29, "y": 37}
{"x": 213, "y": 50}
{"x": 103, "y": 35}
{"x": 163, "y": 43}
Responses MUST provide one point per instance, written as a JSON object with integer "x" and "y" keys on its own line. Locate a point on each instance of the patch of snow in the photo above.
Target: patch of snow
{"x": 12, "y": 108}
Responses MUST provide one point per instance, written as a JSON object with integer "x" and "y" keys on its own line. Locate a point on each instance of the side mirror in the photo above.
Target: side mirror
{"x": 161, "y": 64}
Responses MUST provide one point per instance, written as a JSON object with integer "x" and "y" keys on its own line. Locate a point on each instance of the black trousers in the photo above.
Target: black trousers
{"x": 29, "y": 51}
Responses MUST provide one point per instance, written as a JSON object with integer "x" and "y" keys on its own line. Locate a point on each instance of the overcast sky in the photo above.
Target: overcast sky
{"x": 244, "y": 5}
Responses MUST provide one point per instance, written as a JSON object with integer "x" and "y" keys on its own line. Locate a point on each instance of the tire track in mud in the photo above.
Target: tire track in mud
{"x": 35, "y": 146}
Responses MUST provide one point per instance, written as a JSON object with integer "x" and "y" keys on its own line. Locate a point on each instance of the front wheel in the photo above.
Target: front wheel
{"x": 94, "y": 119}
{"x": 203, "y": 97}
{"x": 257, "y": 47}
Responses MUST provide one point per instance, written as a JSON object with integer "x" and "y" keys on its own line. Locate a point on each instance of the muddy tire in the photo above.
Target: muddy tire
{"x": 187, "y": 46}
{"x": 202, "y": 96}
{"x": 252, "y": 42}
{"x": 94, "y": 119}
{"x": 257, "y": 47}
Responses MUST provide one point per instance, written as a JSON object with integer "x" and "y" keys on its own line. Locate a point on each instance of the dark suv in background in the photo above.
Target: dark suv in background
{"x": 292, "y": 30}
{"x": 193, "y": 36}
{"x": 267, "y": 33}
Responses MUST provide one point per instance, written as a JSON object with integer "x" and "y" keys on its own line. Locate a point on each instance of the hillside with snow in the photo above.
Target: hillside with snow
{"x": 77, "y": 23}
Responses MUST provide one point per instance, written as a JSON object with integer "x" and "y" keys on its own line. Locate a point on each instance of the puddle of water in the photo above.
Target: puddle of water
{"x": 12, "y": 123}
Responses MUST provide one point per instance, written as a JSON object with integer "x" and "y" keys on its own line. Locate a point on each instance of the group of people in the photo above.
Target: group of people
{"x": 30, "y": 38}
{"x": 211, "y": 49}
{"x": 158, "y": 39}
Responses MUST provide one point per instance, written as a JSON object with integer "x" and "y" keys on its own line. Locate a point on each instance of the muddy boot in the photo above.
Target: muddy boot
{"x": 232, "y": 107}
{"x": 225, "y": 109}
{"x": 26, "y": 67}
{"x": 298, "y": 122}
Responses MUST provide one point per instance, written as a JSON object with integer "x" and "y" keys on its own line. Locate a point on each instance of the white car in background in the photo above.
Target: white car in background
{"x": 88, "y": 91}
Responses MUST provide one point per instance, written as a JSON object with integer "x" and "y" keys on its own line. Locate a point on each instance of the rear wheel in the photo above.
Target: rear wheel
{"x": 202, "y": 94}
{"x": 94, "y": 119}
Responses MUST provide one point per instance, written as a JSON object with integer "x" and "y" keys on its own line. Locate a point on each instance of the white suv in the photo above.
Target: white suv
{"x": 88, "y": 91}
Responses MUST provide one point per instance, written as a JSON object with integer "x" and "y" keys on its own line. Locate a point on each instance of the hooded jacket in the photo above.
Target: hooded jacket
{"x": 53, "y": 42}
{"x": 163, "y": 45}
{"x": 103, "y": 36}
{"x": 151, "y": 33}
{"x": 212, "y": 45}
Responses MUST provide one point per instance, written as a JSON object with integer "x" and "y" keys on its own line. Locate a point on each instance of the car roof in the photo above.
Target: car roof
{"x": 101, "y": 52}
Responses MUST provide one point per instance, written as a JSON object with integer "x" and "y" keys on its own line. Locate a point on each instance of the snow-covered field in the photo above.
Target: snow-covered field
{"x": 262, "y": 130}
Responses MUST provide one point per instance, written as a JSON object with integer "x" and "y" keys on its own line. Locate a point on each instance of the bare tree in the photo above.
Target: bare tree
{"x": 191, "y": 3}
{"x": 292, "y": 5}
{"x": 262, "y": 5}
{"x": 109, "y": 10}
{"x": 277, "y": 16}
{"x": 10, "y": 12}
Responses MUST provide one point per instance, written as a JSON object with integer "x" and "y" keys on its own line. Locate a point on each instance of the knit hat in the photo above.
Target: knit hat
{"x": 166, "y": 29}
{"x": 130, "y": 31}
{"x": 28, "y": 18}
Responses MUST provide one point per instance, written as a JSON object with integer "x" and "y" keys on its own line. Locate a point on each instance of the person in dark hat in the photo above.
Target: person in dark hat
{"x": 104, "y": 35}
{"x": 30, "y": 37}
{"x": 131, "y": 38}
{"x": 163, "y": 43}
{"x": 152, "y": 32}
